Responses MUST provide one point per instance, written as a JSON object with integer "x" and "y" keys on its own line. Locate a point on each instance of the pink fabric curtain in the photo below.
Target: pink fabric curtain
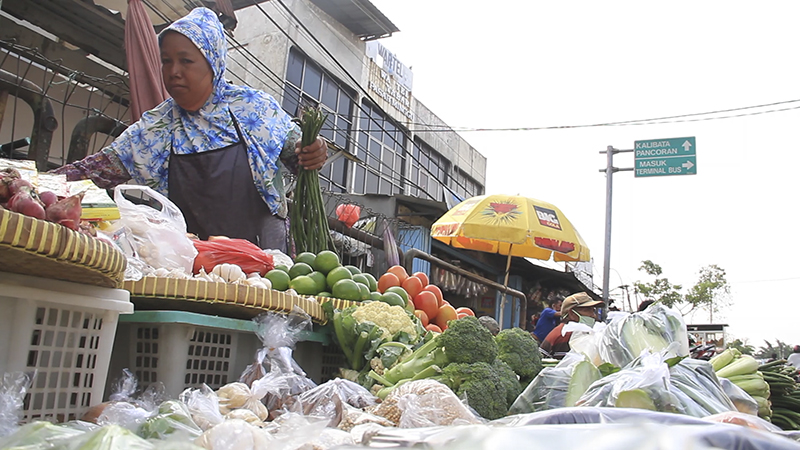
{"x": 144, "y": 61}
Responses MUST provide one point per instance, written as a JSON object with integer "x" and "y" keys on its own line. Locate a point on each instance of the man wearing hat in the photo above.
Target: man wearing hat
{"x": 577, "y": 307}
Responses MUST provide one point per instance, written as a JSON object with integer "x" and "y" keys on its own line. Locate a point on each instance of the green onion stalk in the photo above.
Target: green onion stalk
{"x": 308, "y": 224}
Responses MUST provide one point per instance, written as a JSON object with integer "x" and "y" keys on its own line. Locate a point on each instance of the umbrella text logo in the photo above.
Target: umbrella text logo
{"x": 547, "y": 217}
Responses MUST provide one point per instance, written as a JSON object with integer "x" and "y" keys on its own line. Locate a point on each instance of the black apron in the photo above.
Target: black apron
{"x": 216, "y": 193}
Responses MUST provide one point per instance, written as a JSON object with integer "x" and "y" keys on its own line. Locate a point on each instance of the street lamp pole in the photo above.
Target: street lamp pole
{"x": 609, "y": 170}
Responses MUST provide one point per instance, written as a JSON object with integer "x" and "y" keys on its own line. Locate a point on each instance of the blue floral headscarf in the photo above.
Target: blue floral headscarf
{"x": 144, "y": 148}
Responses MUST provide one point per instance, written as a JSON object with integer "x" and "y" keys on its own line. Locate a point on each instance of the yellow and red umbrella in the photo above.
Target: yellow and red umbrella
{"x": 511, "y": 225}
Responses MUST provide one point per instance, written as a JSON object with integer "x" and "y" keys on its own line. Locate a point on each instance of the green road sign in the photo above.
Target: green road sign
{"x": 661, "y": 157}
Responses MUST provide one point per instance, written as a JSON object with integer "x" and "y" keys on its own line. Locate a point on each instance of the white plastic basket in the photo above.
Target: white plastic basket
{"x": 184, "y": 349}
{"x": 63, "y": 332}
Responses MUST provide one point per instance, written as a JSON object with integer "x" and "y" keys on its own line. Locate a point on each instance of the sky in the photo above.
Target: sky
{"x": 517, "y": 64}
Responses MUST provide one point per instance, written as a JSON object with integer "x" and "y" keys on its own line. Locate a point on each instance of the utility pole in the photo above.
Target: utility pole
{"x": 609, "y": 170}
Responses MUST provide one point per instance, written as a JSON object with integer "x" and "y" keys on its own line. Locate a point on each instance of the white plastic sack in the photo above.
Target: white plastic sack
{"x": 159, "y": 237}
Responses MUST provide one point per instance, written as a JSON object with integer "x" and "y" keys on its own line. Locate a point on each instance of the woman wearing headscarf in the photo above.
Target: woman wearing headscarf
{"x": 217, "y": 150}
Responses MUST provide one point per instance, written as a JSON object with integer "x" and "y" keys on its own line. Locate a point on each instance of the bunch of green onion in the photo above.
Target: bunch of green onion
{"x": 308, "y": 221}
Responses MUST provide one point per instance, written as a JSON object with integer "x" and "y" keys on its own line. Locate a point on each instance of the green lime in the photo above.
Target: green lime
{"x": 299, "y": 269}
{"x": 324, "y": 294}
{"x": 365, "y": 293}
{"x": 401, "y": 292}
{"x": 305, "y": 257}
{"x": 279, "y": 279}
{"x": 393, "y": 299}
{"x": 282, "y": 267}
{"x": 373, "y": 283}
{"x": 326, "y": 261}
{"x": 339, "y": 273}
{"x": 361, "y": 279}
{"x": 346, "y": 289}
{"x": 304, "y": 285}
{"x": 353, "y": 269}
{"x": 319, "y": 279}
{"x": 375, "y": 295}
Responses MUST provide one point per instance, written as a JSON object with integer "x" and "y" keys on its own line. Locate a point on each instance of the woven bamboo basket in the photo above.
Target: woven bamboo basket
{"x": 223, "y": 299}
{"x": 35, "y": 247}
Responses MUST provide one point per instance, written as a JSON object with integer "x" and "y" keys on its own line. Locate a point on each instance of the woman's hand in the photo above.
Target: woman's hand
{"x": 312, "y": 157}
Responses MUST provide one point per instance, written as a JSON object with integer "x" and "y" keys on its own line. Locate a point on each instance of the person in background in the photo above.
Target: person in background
{"x": 548, "y": 320}
{"x": 217, "y": 150}
{"x": 490, "y": 324}
{"x": 575, "y": 308}
{"x": 794, "y": 358}
{"x": 531, "y": 326}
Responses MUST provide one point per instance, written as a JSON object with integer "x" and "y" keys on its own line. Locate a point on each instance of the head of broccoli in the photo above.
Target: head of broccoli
{"x": 467, "y": 341}
{"x": 509, "y": 381}
{"x": 480, "y": 384}
{"x": 518, "y": 349}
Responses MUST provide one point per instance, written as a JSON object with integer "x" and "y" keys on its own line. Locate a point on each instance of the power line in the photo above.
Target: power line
{"x": 653, "y": 121}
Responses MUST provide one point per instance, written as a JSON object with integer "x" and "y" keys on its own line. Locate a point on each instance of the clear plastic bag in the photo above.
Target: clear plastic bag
{"x": 655, "y": 329}
{"x": 234, "y": 434}
{"x": 12, "y": 394}
{"x": 40, "y": 436}
{"x": 743, "y": 419}
{"x": 328, "y": 399}
{"x": 743, "y": 402}
{"x": 159, "y": 237}
{"x": 203, "y": 405}
{"x": 172, "y": 417}
{"x": 424, "y": 403}
{"x": 108, "y": 437}
{"x": 127, "y": 407}
{"x": 234, "y": 396}
{"x": 549, "y": 389}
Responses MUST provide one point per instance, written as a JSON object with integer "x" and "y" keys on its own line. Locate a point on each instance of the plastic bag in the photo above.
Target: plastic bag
{"x": 238, "y": 395}
{"x": 354, "y": 417}
{"x": 108, "y": 437}
{"x": 743, "y": 402}
{"x": 234, "y": 434}
{"x": 127, "y": 407}
{"x": 550, "y": 387}
{"x": 329, "y": 398}
{"x": 655, "y": 329}
{"x": 294, "y": 431}
{"x": 203, "y": 405}
{"x": 283, "y": 378}
{"x": 159, "y": 237}
{"x": 424, "y": 403}
{"x": 12, "y": 394}
{"x": 39, "y": 436}
{"x": 587, "y": 342}
{"x": 240, "y": 252}
{"x": 696, "y": 385}
{"x": 171, "y": 417}
{"x": 743, "y": 419}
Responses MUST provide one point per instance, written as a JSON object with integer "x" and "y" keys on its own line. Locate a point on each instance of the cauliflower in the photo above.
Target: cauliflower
{"x": 391, "y": 319}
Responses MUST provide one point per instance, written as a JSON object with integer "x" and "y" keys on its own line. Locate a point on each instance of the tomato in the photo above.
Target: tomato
{"x": 423, "y": 277}
{"x": 422, "y": 317}
{"x": 400, "y": 273}
{"x": 426, "y": 301}
{"x": 436, "y": 291}
{"x": 413, "y": 286}
{"x": 465, "y": 310}
{"x": 434, "y": 328}
{"x": 386, "y": 281}
{"x": 446, "y": 314}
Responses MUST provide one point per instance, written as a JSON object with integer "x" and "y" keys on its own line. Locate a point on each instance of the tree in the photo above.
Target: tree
{"x": 660, "y": 290}
{"x": 711, "y": 292}
{"x": 781, "y": 350}
{"x": 742, "y": 346}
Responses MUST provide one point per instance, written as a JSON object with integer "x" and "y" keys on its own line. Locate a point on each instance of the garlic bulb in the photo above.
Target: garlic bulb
{"x": 231, "y": 273}
{"x": 259, "y": 282}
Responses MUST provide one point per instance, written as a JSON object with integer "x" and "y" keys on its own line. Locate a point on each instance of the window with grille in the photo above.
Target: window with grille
{"x": 308, "y": 85}
{"x": 381, "y": 145}
{"x": 464, "y": 185}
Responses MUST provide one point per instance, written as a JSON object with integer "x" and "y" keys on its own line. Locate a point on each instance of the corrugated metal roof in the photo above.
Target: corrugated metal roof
{"x": 359, "y": 16}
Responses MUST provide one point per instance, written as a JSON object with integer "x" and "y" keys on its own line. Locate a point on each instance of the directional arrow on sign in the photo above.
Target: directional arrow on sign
{"x": 686, "y": 146}
{"x": 688, "y": 165}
